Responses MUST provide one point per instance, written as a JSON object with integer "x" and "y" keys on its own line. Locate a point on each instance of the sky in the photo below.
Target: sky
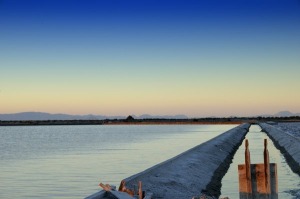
{"x": 200, "y": 58}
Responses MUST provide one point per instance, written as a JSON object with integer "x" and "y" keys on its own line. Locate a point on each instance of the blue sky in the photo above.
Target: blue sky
{"x": 112, "y": 57}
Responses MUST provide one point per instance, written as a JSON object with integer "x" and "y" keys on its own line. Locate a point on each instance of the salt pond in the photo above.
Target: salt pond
{"x": 70, "y": 161}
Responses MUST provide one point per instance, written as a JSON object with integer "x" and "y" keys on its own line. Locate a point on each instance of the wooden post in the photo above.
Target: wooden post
{"x": 245, "y": 186}
{"x": 248, "y": 168}
{"x": 267, "y": 167}
{"x": 261, "y": 181}
{"x": 140, "y": 190}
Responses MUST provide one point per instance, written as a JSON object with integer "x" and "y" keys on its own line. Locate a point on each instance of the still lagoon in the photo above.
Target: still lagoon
{"x": 70, "y": 161}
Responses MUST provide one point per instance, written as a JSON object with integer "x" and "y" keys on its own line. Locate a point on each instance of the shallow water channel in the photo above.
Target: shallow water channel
{"x": 288, "y": 182}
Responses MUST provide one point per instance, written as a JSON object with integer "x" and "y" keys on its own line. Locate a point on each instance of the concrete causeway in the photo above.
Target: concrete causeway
{"x": 198, "y": 170}
{"x": 194, "y": 172}
{"x": 286, "y": 143}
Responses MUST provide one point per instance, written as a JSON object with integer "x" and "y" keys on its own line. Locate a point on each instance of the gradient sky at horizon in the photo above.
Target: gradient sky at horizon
{"x": 111, "y": 57}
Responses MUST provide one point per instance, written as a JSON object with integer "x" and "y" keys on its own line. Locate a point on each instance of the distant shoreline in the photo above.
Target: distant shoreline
{"x": 200, "y": 121}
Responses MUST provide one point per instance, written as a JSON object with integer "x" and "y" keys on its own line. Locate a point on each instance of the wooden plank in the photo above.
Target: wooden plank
{"x": 123, "y": 188}
{"x": 106, "y": 187}
{"x": 242, "y": 179}
{"x": 243, "y": 187}
{"x": 258, "y": 179}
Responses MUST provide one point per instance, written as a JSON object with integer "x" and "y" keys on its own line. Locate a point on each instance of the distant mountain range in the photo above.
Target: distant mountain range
{"x": 49, "y": 116}
{"x": 281, "y": 114}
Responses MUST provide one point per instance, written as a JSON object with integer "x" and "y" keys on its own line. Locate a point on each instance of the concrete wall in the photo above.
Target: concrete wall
{"x": 286, "y": 143}
{"x": 198, "y": 170}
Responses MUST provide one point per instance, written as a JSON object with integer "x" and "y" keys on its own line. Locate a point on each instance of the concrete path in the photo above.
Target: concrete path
{"x": 286, "y": 143}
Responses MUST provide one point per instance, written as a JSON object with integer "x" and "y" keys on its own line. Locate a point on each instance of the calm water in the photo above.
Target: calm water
{"x": 70, "y": 161}
{"x": 288, "y": 182}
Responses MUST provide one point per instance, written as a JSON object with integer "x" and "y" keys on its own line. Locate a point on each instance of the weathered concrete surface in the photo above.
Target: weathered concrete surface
{"x": 101, "y": 195}
{"x": 288, "y": 145}
{"x": 198, "y": 170}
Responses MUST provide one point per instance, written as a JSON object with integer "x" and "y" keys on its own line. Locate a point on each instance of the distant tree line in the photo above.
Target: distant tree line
{"x": 131, "y": 120}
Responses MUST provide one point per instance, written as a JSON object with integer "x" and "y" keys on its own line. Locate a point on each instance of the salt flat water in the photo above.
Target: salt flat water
{"x": 70, "y": 161}
{"x": 288, "y": 182}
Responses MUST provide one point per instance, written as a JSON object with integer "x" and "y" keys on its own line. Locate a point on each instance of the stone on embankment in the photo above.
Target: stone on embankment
{"x": 286, "y": 143}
